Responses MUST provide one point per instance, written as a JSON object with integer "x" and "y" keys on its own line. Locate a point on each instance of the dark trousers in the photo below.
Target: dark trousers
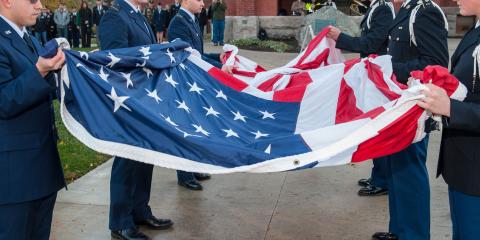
{"x": 379, "y": 178}
{"x": 218, "y": 31}
{"x": 185, "y": 176}
{"x": 41, "y": 37}
{"x": 130, "y": 187}
{"x": 74, "y": 38}
{"x": 465, "y": 214}
{"x": 86, "y": 37}
{"x": 409, "y": 192}
{"x": 27, "y": 220}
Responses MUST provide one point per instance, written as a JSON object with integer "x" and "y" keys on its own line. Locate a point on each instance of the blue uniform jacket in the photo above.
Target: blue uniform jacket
{"x": 431, "y": 37}
{"x": 372, "y": 40}
{"x": 459, "y": 150}
{"x": 29, "y": 162}
{"x": 120, "y": 26}
{"x": 182, "y": 26}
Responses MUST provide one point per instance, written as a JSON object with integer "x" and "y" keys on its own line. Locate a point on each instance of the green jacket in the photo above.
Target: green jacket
{"x": 218, "y": 10}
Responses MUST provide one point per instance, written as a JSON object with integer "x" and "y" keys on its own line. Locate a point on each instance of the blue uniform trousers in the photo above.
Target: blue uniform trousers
{"x": 27, "y": 220}
{"x": 379, "y": 178}
{"x": 130, "y": 187}
{"x": 465, "y": 214}
{"x": 409, "y": 192}
{"x": 183, "y": 176}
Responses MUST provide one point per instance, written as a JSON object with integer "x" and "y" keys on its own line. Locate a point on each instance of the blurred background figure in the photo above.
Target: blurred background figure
{"x": 62, "y": 19}
{"x": 84, "y": 20}
{"x": 298, "y": 8}
{"x": 218, "y": 18}
{"x": 74, "y": 29}
{"x": 41, "y": 27}
{"x": 160, "y": 20}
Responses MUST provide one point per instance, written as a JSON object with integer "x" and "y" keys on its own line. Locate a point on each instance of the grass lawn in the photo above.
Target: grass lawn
{"x": 77, "y": 159}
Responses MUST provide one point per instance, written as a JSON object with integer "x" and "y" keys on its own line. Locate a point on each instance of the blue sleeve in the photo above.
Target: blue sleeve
{"x": 369, "y": 43}
{"x": 19, "y": 93}
{"x": 112, "y": 32}
{"x": 431, "y": 37}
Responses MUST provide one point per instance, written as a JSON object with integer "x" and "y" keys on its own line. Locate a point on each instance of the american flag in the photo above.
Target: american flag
{"x": 161, "y": 104}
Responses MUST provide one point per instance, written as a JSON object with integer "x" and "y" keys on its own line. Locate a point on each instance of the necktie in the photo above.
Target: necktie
{"x": 29, "y": 43}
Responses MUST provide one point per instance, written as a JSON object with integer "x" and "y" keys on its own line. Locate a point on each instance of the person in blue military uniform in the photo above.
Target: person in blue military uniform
{"x": 459, "y": 162}
{"x": 185, "y": 27}
{"x": 123, "y": 26}
{"x": 29, "y": 160}
{"x": 373, "y": 40}
{"x": 417, "y": 38}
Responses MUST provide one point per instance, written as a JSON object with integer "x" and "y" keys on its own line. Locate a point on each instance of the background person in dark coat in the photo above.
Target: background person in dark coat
{"x": 373, "y": 40}
{"x": 406, "y": 170}
{"x": 84, "y": 20}
{"x": 98, "y": 11}
{"x": 51, "y": 26}
{"x": 124, "y": 26}
{"x": 160, "y": 19}
{"x": 31, "y": 169}
{"x": 185, "y": 27}
{"x": 202, "y": 20}
{"x": 459, "y": 160}
{"x": 41, "y": 27}
{"x": 74, "y": 29}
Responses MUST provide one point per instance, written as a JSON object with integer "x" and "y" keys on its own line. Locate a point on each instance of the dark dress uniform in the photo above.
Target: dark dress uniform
{"x": 413, "y": 49}
{"x": 31, "y": 169}
{"x": 459, "y": 160}
{"x": 160, "y": 19}
{"x": 185, "y": 28}
{"x": 373, "y": 40}
{"x": 73, "y": 31}
{"x": 130, "y": 184}
{"x": 85, "y": 22}
{"x": 98, "y": 14}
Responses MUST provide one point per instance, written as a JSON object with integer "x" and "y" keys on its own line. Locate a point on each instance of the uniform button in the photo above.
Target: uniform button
{"x": 400, "y": 28}
{"x": 388, "y": 49}
{"x": 389, "y": 37}
{"x": 398, "y": 39}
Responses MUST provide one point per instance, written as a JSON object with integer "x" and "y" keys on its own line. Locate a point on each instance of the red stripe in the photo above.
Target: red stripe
{"x": 267, "y": 86}
{"x": 259, "y": 69}
{"x": 293, "y": 94}
{"x": 227, "y": 79}
{"x": 375, "y": 74}
{"x": 299, "y": 79}
{"x": 347, "y": 104}
{"x": 439, "y": 76}
{"x": 312, "y": 45}
{"x": 316, "y": 63}
{"x": 244, "y": 73}
{"x": 393, "y": 138}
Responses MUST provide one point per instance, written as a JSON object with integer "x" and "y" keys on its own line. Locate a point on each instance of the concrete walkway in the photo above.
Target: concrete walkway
{"x": 311, "y": 204}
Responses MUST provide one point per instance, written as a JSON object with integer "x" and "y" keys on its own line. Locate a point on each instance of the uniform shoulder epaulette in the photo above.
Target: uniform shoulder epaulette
{"x": 413, "y": 15}
{"x": 375, "y": 6}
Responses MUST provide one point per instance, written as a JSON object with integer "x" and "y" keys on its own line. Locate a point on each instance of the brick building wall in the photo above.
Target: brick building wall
{"x": 269, "y": 7}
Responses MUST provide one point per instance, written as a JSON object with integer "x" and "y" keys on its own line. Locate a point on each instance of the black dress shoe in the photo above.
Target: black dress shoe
{"x": 156, "y": 223}
{"x": 129, "y": 234}
{"x": 202, "y": 176}
{"x": 192, "y": 185}
{"x": 384, "y": 236}
{"x": 365, "y": 182}
{"x": 372, "y": 191}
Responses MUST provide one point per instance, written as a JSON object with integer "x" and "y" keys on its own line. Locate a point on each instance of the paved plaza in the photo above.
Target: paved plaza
{"x": 317, "y": 204}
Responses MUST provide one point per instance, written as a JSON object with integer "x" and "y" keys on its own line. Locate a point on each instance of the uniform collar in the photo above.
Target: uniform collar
{"x": 477, "y": 24}
{"x": 20, "y": 32}
{"x": 134, "y": 8}
{"x": 189, "y": 13}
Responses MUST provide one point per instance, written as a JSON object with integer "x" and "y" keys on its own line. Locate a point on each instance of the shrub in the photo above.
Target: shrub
{"x": 254, "y": 42}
